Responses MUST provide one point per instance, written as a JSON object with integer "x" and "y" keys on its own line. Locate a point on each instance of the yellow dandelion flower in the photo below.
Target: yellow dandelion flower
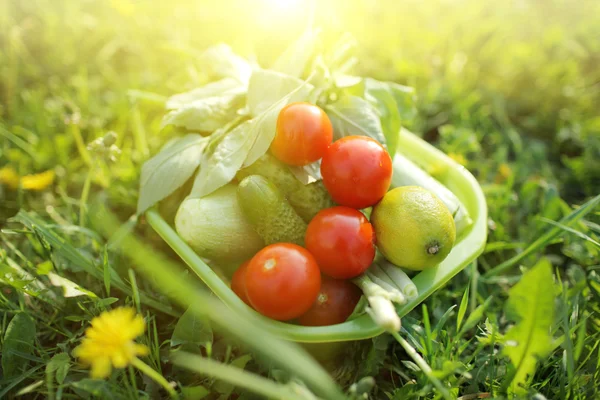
{"x": 38, "y": 181}
{"x": 109, "y": 341}
{"x": 10, "y": 178}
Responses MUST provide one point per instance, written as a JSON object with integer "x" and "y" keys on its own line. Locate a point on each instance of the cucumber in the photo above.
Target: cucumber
{"x": 307, "y": 200}
{"x": 267, "y": 210}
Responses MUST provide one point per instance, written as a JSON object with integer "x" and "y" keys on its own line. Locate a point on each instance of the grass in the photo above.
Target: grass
{"x": 509, "y": 90}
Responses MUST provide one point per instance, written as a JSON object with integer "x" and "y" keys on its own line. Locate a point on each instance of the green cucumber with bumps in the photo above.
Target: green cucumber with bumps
{"x": 307, "y": 200}
{"x": 267, "y": 210}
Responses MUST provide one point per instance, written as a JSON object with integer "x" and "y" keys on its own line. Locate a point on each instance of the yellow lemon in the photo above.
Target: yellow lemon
{"x": 413, "y": 227}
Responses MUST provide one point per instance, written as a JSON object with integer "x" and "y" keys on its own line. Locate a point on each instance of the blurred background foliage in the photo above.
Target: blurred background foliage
{"x": 509, "y": 89}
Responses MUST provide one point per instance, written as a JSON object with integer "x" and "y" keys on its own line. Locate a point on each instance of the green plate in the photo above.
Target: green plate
{"x": 469, "y": 247}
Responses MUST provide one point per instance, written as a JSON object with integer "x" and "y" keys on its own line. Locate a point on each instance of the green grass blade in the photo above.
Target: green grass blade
{"x": 543, "y": 240}
{"x": 235, "y": 376}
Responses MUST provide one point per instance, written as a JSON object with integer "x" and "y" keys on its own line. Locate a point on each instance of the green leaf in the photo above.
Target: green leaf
{"x": 44, "y": 267}
{"x": 225, "y": 86}
{"x": 462, "y": 309}
{"x": 266, "y": 87}
{"x": 225, "y": 63}
{"x": 352, "y": 115}
{"x": 531, "y": 305}
{"x": 294, "y": 60}
{"x": 191, "y": 330}
{"x": 475, "y": 316}
{"x": 384, "y": 96}
{"x": 70, "y": 288}
{"x": 18, "y": 338}
{"x": 207, "y": 114}
{"x": 60, "y": 365}
{"x": 240, "y": 147}
{"x": 194, "y": 392}
{"x": 169, "y": 169}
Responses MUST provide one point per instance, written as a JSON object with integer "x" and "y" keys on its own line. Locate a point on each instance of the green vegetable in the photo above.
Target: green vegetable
{"x": 307, "y": 200}
{"x": 380, "y": 309}
{"x": 215, "y": 227}
{"x": 269, "y": 212}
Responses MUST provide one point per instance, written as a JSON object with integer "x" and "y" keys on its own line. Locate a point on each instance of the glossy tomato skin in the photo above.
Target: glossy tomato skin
{"x": 357, "y": 171}
{"x": 342, "y": 241}
{"x": 303, "y": 134}
{"x": 334, "y": 304}
{"x": 238, "y": 282}
{"x": 282, "y": 281}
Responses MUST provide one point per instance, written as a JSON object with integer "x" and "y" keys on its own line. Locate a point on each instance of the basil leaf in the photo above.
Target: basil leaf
{"x": 238, "y": 148}
{"x": 296, "y": 57}
{"x": 225, "y": 63}
{"x": 205, "y": 115}
{"x": 225, "y": 86}
{"x": 169, "y": 169}
{"x": 352, "y": 115}
{"x": 221, "y": 164}
{"x": 405, "y": 100}
{"x": 266, "y": 87}
{"x": 380, "y": 96}
{"x": 308, "y": 173}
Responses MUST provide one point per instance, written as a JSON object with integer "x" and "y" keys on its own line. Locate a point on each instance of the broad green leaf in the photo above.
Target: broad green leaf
{"x": 99, "y": 389}
{"x": 70, "y": 288}
{"x": 379, "y": 94}
{"x": 58, "y": 366}
{"x": 207, "y": 114}
{"x": 18, "y": 338}
{"x": 194, "y": 392}
{"x": 266, "y": 87}
{"x": 352, "y": 115}
{"x": 531, "y": 305}
{"x": 225, "y": 63}
{"x": 225, "y": 86}
{"x": 294, "y": 60}
{"x": 169, "y": 169}
{"x": 240, "y": 147}
{"x": 405, "y": 100}
{"x": 191, "y": 329}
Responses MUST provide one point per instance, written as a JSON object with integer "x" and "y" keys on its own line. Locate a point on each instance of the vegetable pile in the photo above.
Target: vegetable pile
{"x": 297, "y": 190}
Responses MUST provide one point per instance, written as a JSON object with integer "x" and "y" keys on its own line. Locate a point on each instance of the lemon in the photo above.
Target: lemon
{"x": 413, "y": 227}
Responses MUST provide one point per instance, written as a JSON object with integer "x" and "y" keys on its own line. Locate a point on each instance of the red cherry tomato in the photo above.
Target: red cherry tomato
{"x": 334, "y": 304}
{"x": 282, "y": 281}
{"x": 342, "y": 241}
{"x": 356, "y": 171}
{"x": 238, "y": 282}
{"x": 303, "y": 133}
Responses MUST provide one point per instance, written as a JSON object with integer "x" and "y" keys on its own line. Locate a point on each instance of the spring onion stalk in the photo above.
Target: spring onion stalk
{"x": 380, "y": 307}
{"x": 383, "y": 313}
{"x": 394, "y": 293}
{"x": 407, "y": 173}
{"x": 400, "y": 279}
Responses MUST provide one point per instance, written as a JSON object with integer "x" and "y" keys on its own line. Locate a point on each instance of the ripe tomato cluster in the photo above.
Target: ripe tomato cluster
{"x": 285, "y": 281}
